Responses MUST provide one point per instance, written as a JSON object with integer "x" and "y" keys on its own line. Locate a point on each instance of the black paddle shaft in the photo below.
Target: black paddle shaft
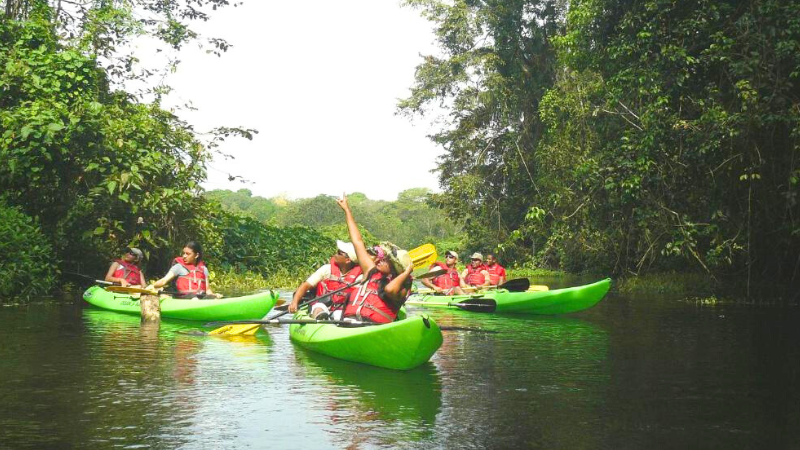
{"x": 282, "y": 313}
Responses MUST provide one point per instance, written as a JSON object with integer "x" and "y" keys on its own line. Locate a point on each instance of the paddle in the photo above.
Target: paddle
{"x": 431, "y": 274}
{"x": 472, "y": 304}
{"x": 515, "y": 285}
{"x": 67, "y": 272}
{"x": 424, "y": 255}
{"x": 256, "y": 324}
{"x": 421, "y": 256}
{"x": 287, "y": 321}
{"x": 532, "y": 288}
{"x": 247, "y": 327}
{"x": 130, "y": 290}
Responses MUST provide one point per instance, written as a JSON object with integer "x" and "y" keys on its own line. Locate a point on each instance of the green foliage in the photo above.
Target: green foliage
{"x": 621, "y": 136}
{"x": 499, "y": 63}
{"x": 108, "y": 171}
{"x": 243, "y": 202}
{"x": 26, "y": 259}
{"x": 409, "y": 221}
{"x": 249, "y": 245}
{"x": 234, "y": 283}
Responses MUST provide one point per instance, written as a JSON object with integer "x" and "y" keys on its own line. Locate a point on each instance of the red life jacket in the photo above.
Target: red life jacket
{"x": 193, "y": 283}
{"x": 448, "y": 280}
{"x": 337, "y": 281}
{"x": 474, "y": 276}
{"x": 129, "y": 272}
{"x": 366, "y": 304}
{"x": 495, "y": 272}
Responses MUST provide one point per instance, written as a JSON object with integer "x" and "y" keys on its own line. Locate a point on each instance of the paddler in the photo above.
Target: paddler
{"x": 497, "y": 273}
{"x": 338, "y": 273}
{"x": 387, "y": 280}
{"x": 126, "y": 271}
{"x": 190, "y": 274}
{"x": 475, "y": 273}
{"x": 450, "y": 282}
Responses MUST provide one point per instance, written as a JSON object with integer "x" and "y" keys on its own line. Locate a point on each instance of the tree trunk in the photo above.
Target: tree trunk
{"x": 151, "y": 308}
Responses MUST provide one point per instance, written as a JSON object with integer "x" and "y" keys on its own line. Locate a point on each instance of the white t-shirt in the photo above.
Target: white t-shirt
{"x": 323, "y": 273}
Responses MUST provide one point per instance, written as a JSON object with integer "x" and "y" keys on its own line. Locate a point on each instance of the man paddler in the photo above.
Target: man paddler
{"x": 497, "y": 273}
{"x": 450, "y": 282}
{"x": 475, "y": 273}
{"x": 338, "y": 273}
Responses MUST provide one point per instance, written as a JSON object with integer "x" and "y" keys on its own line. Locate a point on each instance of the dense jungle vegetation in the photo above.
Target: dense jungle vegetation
{"x": 606, "y": 135}
{"x": 620, "y": 136}
{"x": 89, "y": 168}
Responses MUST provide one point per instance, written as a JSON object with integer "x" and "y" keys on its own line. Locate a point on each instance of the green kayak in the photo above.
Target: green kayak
{"x": 558, "y": 301}
{"x": 402, "y": 345}
{"x": 253, "y": 306}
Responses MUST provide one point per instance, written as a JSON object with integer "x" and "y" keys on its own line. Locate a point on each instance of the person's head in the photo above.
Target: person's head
{"x": 476, "y": 259}
{"x": 133, "y": 255}
{"x": 345, "y": 254}
{"x": 450, "y": 258}
{"x": 491, "y": 259}
{"x": 381, "y": 259}
{"x": 192, "y": 253}
{"x": 390, "y": 260}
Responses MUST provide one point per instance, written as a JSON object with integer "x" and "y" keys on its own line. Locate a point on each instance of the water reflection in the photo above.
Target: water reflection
{"x": 368, "y": 406}
{"x": 530, "y": 382}
{"x": 644, "y": 372}
{"x": 152, "y": 381}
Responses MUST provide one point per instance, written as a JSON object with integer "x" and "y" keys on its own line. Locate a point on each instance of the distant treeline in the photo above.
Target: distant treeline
{"x": 408, "y": 221}
{"x": 621, "y": 136}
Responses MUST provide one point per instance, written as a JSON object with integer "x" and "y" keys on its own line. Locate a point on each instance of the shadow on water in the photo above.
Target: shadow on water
{"x": 538, "y": 380}
{"x": 371, "y": 405}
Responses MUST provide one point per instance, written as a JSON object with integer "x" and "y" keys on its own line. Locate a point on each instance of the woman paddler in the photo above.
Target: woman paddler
{"x": 126, "y": 271}
{"x": 190, "y": 274}
{"x": 388, "y": 277}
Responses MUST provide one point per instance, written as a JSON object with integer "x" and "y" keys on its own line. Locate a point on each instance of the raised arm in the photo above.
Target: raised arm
{"x": 364, "y": 259}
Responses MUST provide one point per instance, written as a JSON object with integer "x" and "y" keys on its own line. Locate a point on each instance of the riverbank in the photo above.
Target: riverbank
{"x": 692, "y": 287}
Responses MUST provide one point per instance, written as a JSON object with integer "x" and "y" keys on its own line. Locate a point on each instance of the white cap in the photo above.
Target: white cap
{"x": 348, "y": 248}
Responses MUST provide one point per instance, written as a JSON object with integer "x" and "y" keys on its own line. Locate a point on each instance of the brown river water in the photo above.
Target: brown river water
{"x": 630, "y": 373}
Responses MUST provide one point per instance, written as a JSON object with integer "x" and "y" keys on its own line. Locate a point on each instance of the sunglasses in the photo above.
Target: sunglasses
{"x": 339, "y": 252}
{"x": 450, "y": 256}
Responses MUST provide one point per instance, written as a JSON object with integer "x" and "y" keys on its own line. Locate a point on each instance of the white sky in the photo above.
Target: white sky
{"x": 319, "y": 80}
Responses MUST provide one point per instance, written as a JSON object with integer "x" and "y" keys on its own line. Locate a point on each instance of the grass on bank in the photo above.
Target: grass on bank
{"x": 233, "y": 283}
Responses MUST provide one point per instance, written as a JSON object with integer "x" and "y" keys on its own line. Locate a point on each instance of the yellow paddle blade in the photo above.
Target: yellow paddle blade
{"x": 421, "y": 251}
{"x": 236, "y": 330}
{"x": 129, "y": 290}
{"x": 423, "y": 256}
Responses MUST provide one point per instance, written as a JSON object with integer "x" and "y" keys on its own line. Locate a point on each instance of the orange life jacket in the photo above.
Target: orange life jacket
{"x": 337, "y": 281}
{"x": 474, "y": 276}
{"x": 448, "y": 280}
{"x": 365, "y": 303}
{"x": 129, "y": 272}
{"x": 193, "y": 283}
